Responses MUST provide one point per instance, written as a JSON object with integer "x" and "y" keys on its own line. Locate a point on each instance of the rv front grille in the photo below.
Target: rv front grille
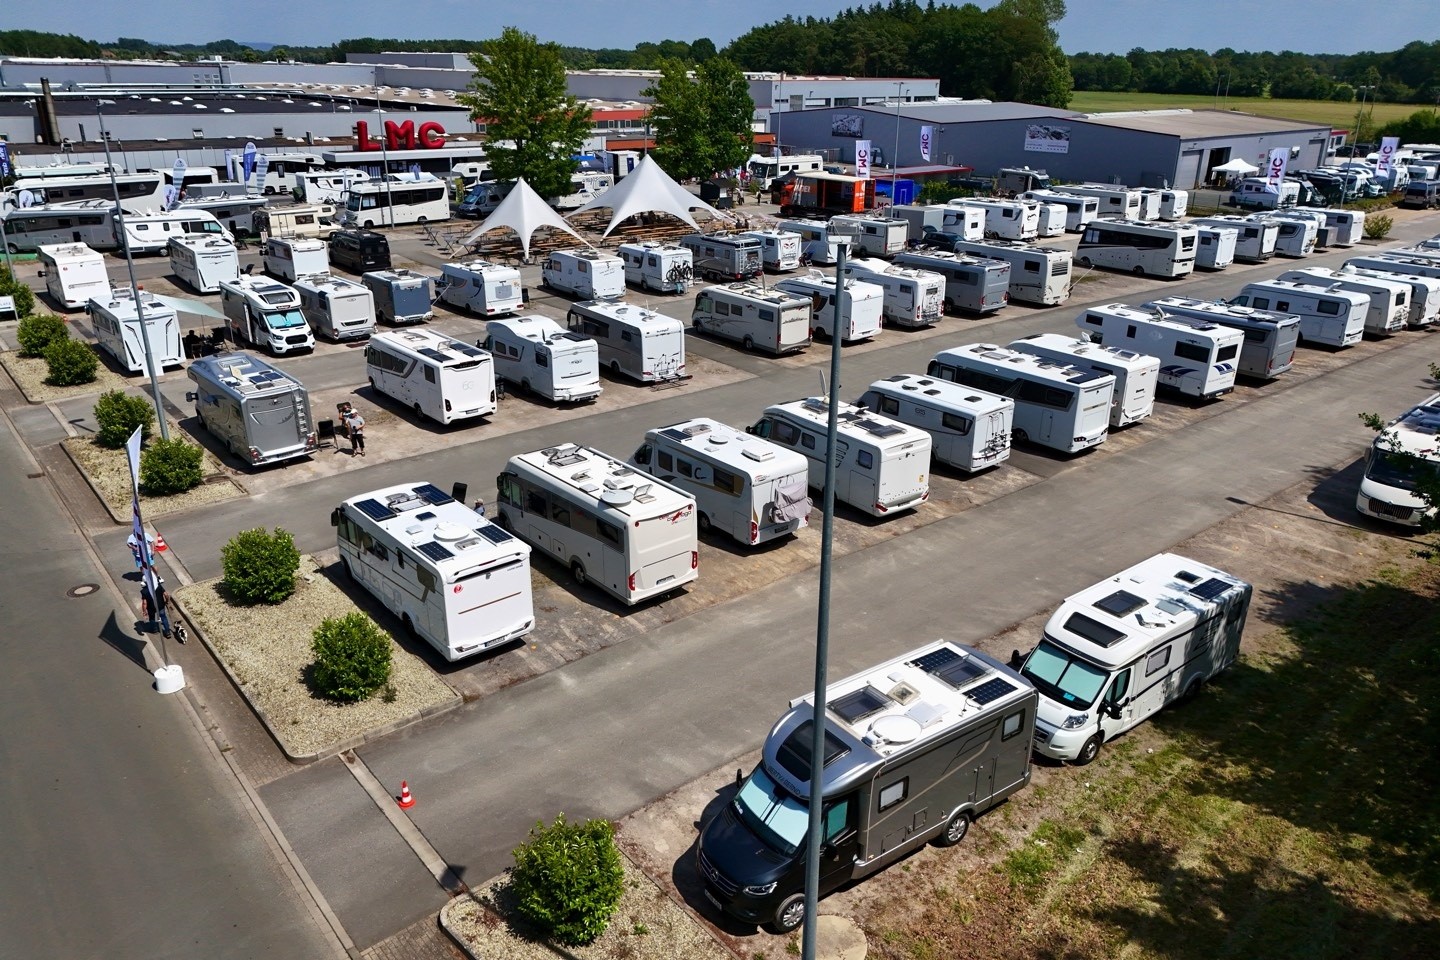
{"x": 1042, "y": 736}
{"x": 300, "y": 339}
{"x": 1390, "y": 510}
{"x": 713, "y": 875}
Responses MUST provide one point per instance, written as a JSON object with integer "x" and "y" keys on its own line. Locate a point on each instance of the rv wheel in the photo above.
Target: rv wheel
{"x": 525, "y": 385}
{"x": 408, "y": 624}
{"x": 372, "y": 383}
{"x": 12, "y": 248}
{"x": 955, "y": 830}
{"x": 1085, "y": 262}
{"x": 703, "y": 522}
{"x": 1191, "y": 691}
{"x": 1139, "y": 270}
{"x": 1088, "y": 752}
{"x": 1019, "y": 436}
{"x": 421, "y": 219}
{"x": 749, "y": 343}
{"x": 416, "y": 407}
{"x": 615, "y": 364}
{"x": 577, "y": 570}
{"x": 790, "y": 914}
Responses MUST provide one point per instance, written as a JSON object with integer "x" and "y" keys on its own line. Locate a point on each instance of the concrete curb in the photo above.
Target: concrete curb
{"x": 125, "y": 521}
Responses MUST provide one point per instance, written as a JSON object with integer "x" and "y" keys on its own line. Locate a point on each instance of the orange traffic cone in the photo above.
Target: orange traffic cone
{"x": 406, "y": 800}
{"x": 160, "y": 545}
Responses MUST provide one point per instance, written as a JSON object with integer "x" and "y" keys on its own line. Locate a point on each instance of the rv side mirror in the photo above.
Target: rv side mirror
{"x": 750, "y": 429}
{"x": 335, "y": 517}
{"x": 190, "y": 396}
{"x": 1016, "y": 659}
{"x": 739, "y": 777}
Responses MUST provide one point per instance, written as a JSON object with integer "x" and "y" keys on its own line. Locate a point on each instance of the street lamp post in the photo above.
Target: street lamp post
{"x": 384, "y": 152}
{"x": 895, "y": 157}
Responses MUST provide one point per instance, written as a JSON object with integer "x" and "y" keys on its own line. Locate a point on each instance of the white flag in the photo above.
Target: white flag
{"x": 262, "y": 164}
{"x": 926, "y": 135}
{"x": 1275, "y": 174}
{"x": 1386, "y": 161}
{"x": 862, "y": 159}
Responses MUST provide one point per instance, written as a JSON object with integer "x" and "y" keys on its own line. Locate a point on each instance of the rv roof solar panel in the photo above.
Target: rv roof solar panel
{"x": 435, "y": 551}
{"x": 374, "y": 509}
{"x": 432, "y": 353}
{"x": 433, "y": 495}
{"x": 878, "y": 429}
{"x": 935, "y": 659}
{"x": 493, "y": 533}
{"x": 1120, "y": 603}
{"x": 990, "y": 690}
{"x": 674, "y": 434}
{"x": 1210, "y": 589}
{"x": 859, "y": 704}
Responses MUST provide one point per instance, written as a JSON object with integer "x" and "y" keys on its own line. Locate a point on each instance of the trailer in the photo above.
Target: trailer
{"x": 1333, "y": 318}
{"x": 1424, "y": 294}
{"x": 401, "y": 296}
{"x": 481, "y": 287}
{"x": 824, "y": 194}
{"x": 74, "y": 274}
{"x": 122, "y": 326}
{"x": 259, "y": 413}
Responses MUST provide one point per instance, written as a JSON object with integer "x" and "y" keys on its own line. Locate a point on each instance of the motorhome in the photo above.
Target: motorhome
{"x": 587, "y": 274}
{"x": 1293, "y": 238}
{"x": 585, "y": 185}
{"x": 449, "y": 575}
{"x": 152, "y": 232}
{"x": 972, "y": 284}
{"x": 335, "y": 307}
{"x": 483, "y": 198}
{"x": 1304, "y": 215}
{"x": 754, "y": 317}
{"x": 1056, "y": 406}
{"x": 1006, "y": 219}
{"x": 1215, "y": 248}
{"x": 359, "y": 251}
{"x": 1149, "y": 203}
{"x": 259, "y": 413}
{"x": 396, "y": 200}
{"x": 202, "y": 261}
{"x": 91, "y": 223}
{"x": 481, "y": 287}
{"x": 1136, "y": 374}
{"x": 1052, "y": 219}
{"x": 235, "y": 214}
{"x": 539, "y": 356}
{"x": 286, "y": 258}
{"x": 628, "y": 533}
{"x": 916, "y": 748}
{"x": 725, "y": 256}
{"x": 858, "y": 316}
{"x": 139, "y": 192}
{"x": 913, "y": 297}
{"x": 1079, "y": 210}
{"x": 969, "y": 429}
{"x": 940, "y": 217}
{"x": 123, "y": 326}
{"x": 643, "y": 345}
{"x": 1270, "y": 338}
{"x": 1198, "y": 358}
{"x": 310, "y": 221}
{"x": 1174, "y": 204}
{"x": 1038, "y": 275}
{"x": 1389, "y": 299}
{"x": 265, "y": 313}
{"x": 1421, "y": 195}
{"x": 327, "y": 186}
{"x": 1112, "y": 200}
{"x": 1256, "y": 240}
{"x": 401, "y": 296}
{"x": 881, "y": 465}
{"x": 1391, "y": 262}
{"x": 435, "y": 376}
{"x": 652, "y": 265}
{"x": 1165, "y": 250}
{"x": 1257, "y": 193}
{"x": 1398, "y": 461}
{"x": 1424, "y": 294}
{"x": 281, "y": 171}
{"x": 873, "y": 234}
{"x": 1115, "y": 654}
{"x": 1333, "y": 318}
{"x": 764, "y": 170}
{"x": 74, "y": 274}
{"x": 779, "y": 249}
{"x": 819, "y": 242}
{"x": 745, "y": 487}
{"x": 189, "y": 177}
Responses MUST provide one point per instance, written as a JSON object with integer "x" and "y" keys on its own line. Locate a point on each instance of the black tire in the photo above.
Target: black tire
{"x": 789, "y": 915}
{"x": 1139, "y": 271}
{"x": 748, "y": 343}
{"x": 12, "y": 248}
{"x": 1019, "y": 436}
{"x": 409, "y": 625}
{"x": 577, "y": 572}
{"x": 422, "y": 219}
{"x": 525, "y": 385}
{"x": 703, "y": 522}
{"x": 615, "y": 367}
{"x": 955, "y": 831}
{"x": 1088, "y": 752}
{"x": 1191, "y": 691}
{"x": 372, "y": 383}
{"x": 369, "y": 224}
{"x": 416, "y": 407}
{"x": 1085, "y": 262}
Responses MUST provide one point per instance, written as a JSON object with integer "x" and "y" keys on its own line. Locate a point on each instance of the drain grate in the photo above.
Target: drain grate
{"x": 82, "y": 590}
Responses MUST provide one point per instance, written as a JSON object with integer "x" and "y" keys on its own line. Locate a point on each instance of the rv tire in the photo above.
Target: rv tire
{"x": 409, "y": 625}
{"x": 421, "y": 219}
{"x": 1020, "y": 436}
{"x": 12, "y": 248}
{"x": 525, "y": 385}
{"x": 748, "y": 343}
{"x": 577, "y": 570}
{"x": 955, "y": 830}
{"x": 1191, "y": 691}
{"x": 416, "y": 407}
{"x": 1085, "y": 262}
{"x": 615, "y": 364}
{"x": 345, "y": 565}
{"x": 1139, "y": 270}
{"x": 702, "y": 521}
{"x": 790, "y": 914}
{"x": 1088, "y": 752}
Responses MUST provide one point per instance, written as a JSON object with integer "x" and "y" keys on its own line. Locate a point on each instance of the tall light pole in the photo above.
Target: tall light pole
{"x": 895, "y": 157}
{"x": 384, "y": 151}
{"x": 130, "y": 267}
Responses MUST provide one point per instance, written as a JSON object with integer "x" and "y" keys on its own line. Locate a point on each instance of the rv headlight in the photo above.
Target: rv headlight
{"x": 1075, "y": 721}
{"x": 760, "y": 890}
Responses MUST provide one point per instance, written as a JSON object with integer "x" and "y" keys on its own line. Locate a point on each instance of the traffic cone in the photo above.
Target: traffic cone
{"x": 406, "y": 800}
{"x": 160, "y": 545}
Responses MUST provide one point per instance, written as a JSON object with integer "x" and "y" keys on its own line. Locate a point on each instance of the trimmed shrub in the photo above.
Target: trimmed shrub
{"x": 352, "y": 658}
{"x": 35, "y": 333}
{"x": 567, "y": 879}
{"x": 169, "y": 467}
{"x": 1377, "y": 226}
{"x": 24, "y": 297}
{"x": 70, "y": 363}
{"x": 260, "y": 567}
{"x": 118, "y": 414}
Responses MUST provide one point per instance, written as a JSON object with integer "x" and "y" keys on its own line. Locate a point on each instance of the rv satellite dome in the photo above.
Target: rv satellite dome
{"x": 450, "y": 531}
{"x": 896, "y": 729}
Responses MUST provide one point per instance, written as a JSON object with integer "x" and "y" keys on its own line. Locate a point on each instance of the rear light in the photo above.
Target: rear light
{"x": 881, "y": 508}
{"x": 447, "y": 406}
{"x": 255, "y": 456}
{"x": 492, "y": 396}
{"x": 631, "y": 581}
{"x": 754, "y": 532}
{"x": 694, "y": 559}
{"x": 309, "y": 441}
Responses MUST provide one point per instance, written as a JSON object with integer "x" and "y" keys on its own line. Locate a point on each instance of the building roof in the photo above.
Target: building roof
{"x": 947, "y": 110}
{"x": 1191, "y": 124}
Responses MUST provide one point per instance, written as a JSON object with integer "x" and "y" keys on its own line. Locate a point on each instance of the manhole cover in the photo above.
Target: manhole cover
{"x": 216, "y": 478}
{"x": 82, "y": 590}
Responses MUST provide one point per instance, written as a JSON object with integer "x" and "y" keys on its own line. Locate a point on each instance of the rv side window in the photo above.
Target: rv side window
{"x": 807, "y": 440}
{"x": 1281, "y": 305}
{"x": 609, "y": 533}
{"x": 953, "y": 421}
{"x": 1256, "y": 336}
{"x": 1157, "y": 661}
{"x": 541, "y": 359}
{"x": 429, "y": 373}
{"x": 560, "y": 513}
{"x": 837, "y": 818}
{"x": 865, "y": 459}
{"x": 1192, "y": 351}
{"x": 426, "y": 578}
{"x": 686, "y": 468}
{"x": 727, "y": 482}
{"x": 378, "y": 548}
{"x": 1032, "y": 266}
{"x": 627, "y": 337}
{"x": 786, "y": 433}
{"x": 664, "y": 461}
{"x": 1330, "y": 308}
{"x": 536, "y": 503}
{"x": 892, "y": 794}
{"x": 889, "y": 405}
{"x": 767, "y": 315}
{"x": 1093, "y": 320}
{"x": 1012, "y": 725}
{"x": 722, "y": 309}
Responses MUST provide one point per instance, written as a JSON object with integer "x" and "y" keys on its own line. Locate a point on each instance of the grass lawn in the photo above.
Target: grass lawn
{"x": 1340, "y": 116}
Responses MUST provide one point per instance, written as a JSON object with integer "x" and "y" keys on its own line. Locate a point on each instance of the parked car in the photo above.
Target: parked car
{"x": 939, "y": 240}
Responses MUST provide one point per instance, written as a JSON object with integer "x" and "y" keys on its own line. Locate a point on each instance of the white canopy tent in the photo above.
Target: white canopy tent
{"x": 649, "y": 189}
{"x": 1236, "y": 166}
{"x": 524, "y": 212}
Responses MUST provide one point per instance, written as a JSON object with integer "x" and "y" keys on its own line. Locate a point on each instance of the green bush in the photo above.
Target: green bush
{"x": 352, "y": 658}
{"x": 24, "y": 296}
{"x": 70, "y": 362}
{"x": 260, "y": 567}
{"x": 170, "y": 466}
{"x": 1377, "y": 226}
{"x": 37, "y": 332}
{"x": 567, "y": 879}
{"x": 118, "y": 414}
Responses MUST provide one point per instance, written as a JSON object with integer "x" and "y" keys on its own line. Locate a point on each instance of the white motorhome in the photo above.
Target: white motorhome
{"x": 969, "y": 429}
{"x": 1389, "y": 306}
{"x": 779, "y": 249}
{"x": 328, "y": 186}
{"x": 236, "y": 214}
{"x": 310, "y": 221}
{"x": 139, "y": 192}
{"x": 265, "y": 313}
{"x": 259, "y": 413}
{"x": 1165, "y": 250}
{"x": 859, "y": 317}
{"x": 1052, "y": 219}
{"x": 1257, "y": 193}
{"x": 336, "y": 307}
{"x": 1174, "y": 204}
{"x": 1007, "y": 219}
{"x": 881, "y": 465}
{"x": 152, "y": 232}
{"x": 1293, "y": 238}
{"x": 120, "y": 323}
{"x": 74, "y": 274}
{"x": 481, "y": 287}
{"x": 1116, "y": 653}
{"x": 91, "y": 223}
{"x": 585, "y": 185}
{"x": 401, "y": 296}
{"x": 1270, "y": 338}
{"x": 202, "y": 261}
{"x": 452, "y": 577}
{"x": 1215, "y": 249}
{"x": 1304, "y": 215}
{"x": 626, "y": 532}
{"x": 1334, "y": 318}
{"x": 819, "y": 242}
{"x": 650, "y": 265}
{"x": 640, "y": 343}
{"x": 1112, "y": 200}
{"x": 754, "y": 317}
{"x": 1256, "y": 240}
{"x": 1078, "y": 210}
{"x": 913, "y": 297}
{"x": 281, "y": 171}
{"x": 1424, "y": 294}
{"x": 435, "y": 376}
{"x": 587, "y": 274}
{"x": 744, "y": 486}
{"x": 1136, "y": 374}
{"x": 967, "y": 222}
{"x": 1039, "y": 275}
{"x": 287, "y": 258}
{"x": 395, "y": 200}
{"x": 876, "y": 235}
{"x": 763, "y": 170}
{"x": 539, "y": 356}
{"x": 1149, "y": 203}
{"x": 726, "y": 256}
{"x": 1198, "y": 358}
{"x": 972, "y": 284}
{"x": 1056, "y": 406}
{"x": 1397, "y": 263}
{"x": 1398, "y": 460}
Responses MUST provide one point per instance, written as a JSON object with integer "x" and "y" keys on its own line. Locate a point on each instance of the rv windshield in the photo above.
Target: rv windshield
{"x": 284, "y": 320}
{"x": 1399, "y": 470}
{"x": 1062, "y": 676}
{"x": 773, "y": 815}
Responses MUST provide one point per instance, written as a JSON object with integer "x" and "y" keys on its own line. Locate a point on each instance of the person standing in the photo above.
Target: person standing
{"x": 355, "y": 425}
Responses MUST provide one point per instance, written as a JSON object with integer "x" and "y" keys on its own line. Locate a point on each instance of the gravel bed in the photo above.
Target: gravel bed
{"x": 109, "y": 472}
{"x": 29, "y": 374}
{"x": 267, "y": 648}
{"x": 647, "y": 926}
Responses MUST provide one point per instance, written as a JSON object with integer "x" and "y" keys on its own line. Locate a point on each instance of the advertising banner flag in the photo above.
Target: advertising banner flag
{"x": 262, "y": 163}
{"x": 1275, "y": 170}
{"x": 1386, "y": 161}
{"x": 927, "y": 135}
{"x": 862, "y": 159}
{"x": 4, "y": 159}
{"x": 247, "y": 162}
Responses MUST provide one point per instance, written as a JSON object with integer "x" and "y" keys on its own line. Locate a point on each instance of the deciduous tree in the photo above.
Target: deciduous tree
{"x": 700, "y": 120}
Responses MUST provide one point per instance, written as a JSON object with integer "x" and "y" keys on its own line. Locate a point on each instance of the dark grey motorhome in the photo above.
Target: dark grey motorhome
{"x": 260, "y": 414}
{"x": 401, "y": 296}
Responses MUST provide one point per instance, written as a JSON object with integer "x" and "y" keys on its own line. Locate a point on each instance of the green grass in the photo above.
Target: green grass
{"x": 1340, "y": 116}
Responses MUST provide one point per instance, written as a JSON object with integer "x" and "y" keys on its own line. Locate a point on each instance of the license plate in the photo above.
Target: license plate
{"x": 664, "y": 579}
{"x": 711, "y": 897}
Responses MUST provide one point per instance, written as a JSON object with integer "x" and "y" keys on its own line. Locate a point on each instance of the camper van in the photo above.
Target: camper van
{"x": 483, "y": 198}
{"x": 435, "y": 376}
{"x": 1270, "y": 338}
{"x": 1174, "y": 204}
{"x": 202, "y": 261}
{"x": 913, "y": 297}
{"x": 1389, "y": 307}
{"x": 287, "y": 258}
{"x": 1305, "y": 215}
{"x": 265, "y": 313}
{"x": 152, "y": 232}
{"x": 1007, "y": 219}
{"x": 881, "y": 465}
{"x": 628, "y": 533}
{"x": 359, "y": 251}
{"x": 747, "y": 488}
{"x": 725, "y": 256}
{"x": 972, "y": 284}
{"x": 779, "y": 249}
{"x": 308, "y": 221}
{"x": 1078, "y": 210}
{"x": 481, "y": 287}
{"x": 1293, "y": 238}
{"x": 1257, "y": 193}
{"x": 259, "y": 413}
{"x": 1056, "y": 406}
{"x": 1112, "y": 200}
{"x": 401, "y": 296}
{"x": 1198, "y": 358}
{"x": 452, "y": 577}
{"x": 1424, "y": 294}
{"x": 916, "y": 747}
{"x": 871, "y": 234}
{"x": 536, "y": 354}
{"x": 1215, "y": 249}
{"x": 118, "y": 324}
{"x": 640, "y": 343}
{"x": 1334, "y": 318}
{"x": 1038, "y": 275}
{"x": 651, "y": 265}
{"x": 859, "y": 315}
{"x": 1136, "y": 374}
{"x": 74, "y": 274}
{"x": 819, "y": 242}
{"x": 1396, "y": 462}
{"x": 969, "y": 429}
{"x": 1255, "y": 242}
{"x": 1165, "y": 250}
{"x": 587, "y": 274}
{"x": 336, "y": 308}
{"x": 747, "y": 313}
{"x": 763, "y": 170}
{"x": 1116, "y": 653}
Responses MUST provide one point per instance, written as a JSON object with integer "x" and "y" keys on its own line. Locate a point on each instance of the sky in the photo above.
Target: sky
{"x": 1099, "y": 26}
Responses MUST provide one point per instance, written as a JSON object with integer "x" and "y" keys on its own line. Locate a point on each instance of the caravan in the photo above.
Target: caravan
{"x": 118, "y": 320}
{"x": 779, "y": 249}
{"x": 295, "y": 222}
{"x": 435, "y": 376}
{"x": 1334, "y": 318}
{"x": 1270, "y": 338}
{"x": 640, "y": 343}
{"x": 540, "y": 357}
{"x": 725, "y": 256}
{"x": 481, "y": 287}
{"x": 335, "y": 307}
{"x": 1038, "y": 275}
{"x": 1389, "y": 299}
{"x": 1136, "y": 375}
{"x": 1198, "y": 358}
{"x": 401, "y": 296}
{"x": 1007, "y": 219}
{"x": 1052, "y": 219}
{"x": 287, "y": 258}
{"x": 913, "y": 297}
{"x": 257, "y": 412}
{"x": 1174, "y": 204}
{"x": 1256, "y": 240}
{"x": 587, "y": 274}
{"x": 74, "y": 274}
{"x": 972, "y": 284}
{"x": 1396, "y": 464}
{"x": 754, "y": 317}
{"x": 202, "y": 261}
{"x": 969, "y": 429}
{"x": 652, "y": 265}
{"x": 858, "y": 315}
{"x": 1078, "y": 210}
{"x": 265, "y": 313}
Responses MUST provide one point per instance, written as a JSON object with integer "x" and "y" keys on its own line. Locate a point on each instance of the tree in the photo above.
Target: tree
{"x": 534, "y": 127}
{"x": 1043, "y": 79}
{"x": 701, "y": 121}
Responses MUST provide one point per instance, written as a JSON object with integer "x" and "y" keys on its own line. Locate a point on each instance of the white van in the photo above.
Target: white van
{"x": 1395, "y": 462}
{"x": 1136, "y": 374}
{"x": 433, "y": 375}
{"x": 1335, "y": 318}
{"x": 913, "y": 297}
{"x": 288, "y": 258}
{"x": 74, "y": 274}
{"x": 587, "y": 274}
{"x": 861, "y": 318}
{"x": 1198, "y": 358}
{"x": 640, "y": 343}
{"x": 754, "y": 317}
{"x": 118, "y": 324}
{"x": 650, "y": 265}
{"x": 481, "y": 287}
{"x": 1389, "y": 308}
{"x": 336, "y": 307}
{"x": 779, "y": 249}
{"x": 539, "y": 356}
{"x": 1215, "y": 250}
{"x": 202, "y": 261}
{"x": 969, "y": 428}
